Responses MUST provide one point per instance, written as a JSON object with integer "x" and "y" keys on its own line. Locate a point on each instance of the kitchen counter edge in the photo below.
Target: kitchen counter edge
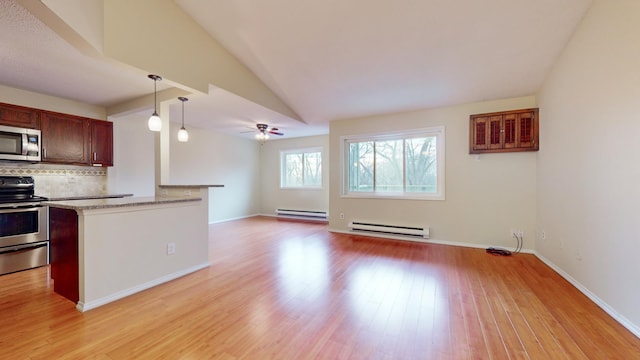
{"x": 88, "y": 197}
{"x": 93, "y": 204}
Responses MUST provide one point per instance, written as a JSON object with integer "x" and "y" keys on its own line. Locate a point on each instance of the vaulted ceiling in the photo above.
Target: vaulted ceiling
{"x": 327, "y": 60}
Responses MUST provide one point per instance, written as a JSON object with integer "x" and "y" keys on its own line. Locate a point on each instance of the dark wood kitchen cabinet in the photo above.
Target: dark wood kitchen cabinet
{"x": 19, "y": 116}
{"x": 70, "y": 139}
{"x": 65, "y": 138}
{"x": 101, "y": 143}
{"x": 63, "y": 242}
{"x": 505, "y": 131}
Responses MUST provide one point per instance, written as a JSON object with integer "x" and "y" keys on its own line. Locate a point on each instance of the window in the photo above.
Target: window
{"x": 301, "y": 168}
{"x": 407, "y": 165}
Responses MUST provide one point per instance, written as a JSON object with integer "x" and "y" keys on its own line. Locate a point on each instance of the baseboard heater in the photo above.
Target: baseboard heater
{"x": 421, "y": 232}
{"x": 302, "y": 214}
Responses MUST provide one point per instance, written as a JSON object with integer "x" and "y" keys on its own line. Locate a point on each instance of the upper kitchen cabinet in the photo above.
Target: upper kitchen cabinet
{"x": 65, "y": 138}
{"x": 70, "y": 139}
{"x": 19, "y": 116}
{"x": 101, "y": 143}
{"x": 505, "y": 131}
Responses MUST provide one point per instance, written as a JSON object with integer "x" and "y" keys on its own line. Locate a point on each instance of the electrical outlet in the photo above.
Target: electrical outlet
{"x": 187, "y": 193}
{"x": 341, "y": 216}
{"x": 543, "y": 235}
{"x": 171, "y": 248}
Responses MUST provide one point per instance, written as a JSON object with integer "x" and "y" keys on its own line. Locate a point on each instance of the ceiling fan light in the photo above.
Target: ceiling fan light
{"x": 183, "y": 135}
{"x": 155, "y": 123}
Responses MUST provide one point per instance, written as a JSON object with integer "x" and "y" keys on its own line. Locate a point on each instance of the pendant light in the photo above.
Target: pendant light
{"x": 183, "y": 135}
{"x": 155, "y": 123}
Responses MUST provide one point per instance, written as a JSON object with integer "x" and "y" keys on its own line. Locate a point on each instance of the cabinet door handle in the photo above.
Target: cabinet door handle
{"x": 94, "y": 156}
{"x": 44, "y": 152}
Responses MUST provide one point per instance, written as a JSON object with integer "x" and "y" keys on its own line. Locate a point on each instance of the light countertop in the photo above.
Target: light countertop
{"x": 92, "y": 204}
{"x": 88, "y": 196}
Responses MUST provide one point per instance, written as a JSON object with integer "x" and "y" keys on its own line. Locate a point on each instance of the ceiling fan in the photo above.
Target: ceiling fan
{"x": 264, "y": 131}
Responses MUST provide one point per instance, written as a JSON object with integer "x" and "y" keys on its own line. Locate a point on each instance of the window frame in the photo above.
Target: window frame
{"x": 437, "y": 131}
{"x": 302, "y": 151}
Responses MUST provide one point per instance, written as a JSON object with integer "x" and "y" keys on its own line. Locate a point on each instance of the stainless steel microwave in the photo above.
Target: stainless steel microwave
{"x": 19, "y": 143}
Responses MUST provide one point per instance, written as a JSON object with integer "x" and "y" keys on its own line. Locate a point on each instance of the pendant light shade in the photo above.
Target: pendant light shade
{"x": 183, "y": 135}
{"x": 155, "y": 123}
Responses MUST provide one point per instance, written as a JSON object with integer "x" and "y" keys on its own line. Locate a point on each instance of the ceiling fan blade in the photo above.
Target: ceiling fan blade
{"x": 275, "y": 133}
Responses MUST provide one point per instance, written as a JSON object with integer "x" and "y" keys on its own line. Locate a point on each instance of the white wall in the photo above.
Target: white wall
{"x": 211, "y": 158}
{"x": 486, "y": 195}
{"x": 273, "y": 196}
{"x": 133, "y": 157}
{"x": 588, "y": 169}
{"x": 26, "y": 98}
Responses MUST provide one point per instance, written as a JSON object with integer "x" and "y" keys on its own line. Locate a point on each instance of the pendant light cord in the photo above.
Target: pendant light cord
{"x": 155, "y": 97}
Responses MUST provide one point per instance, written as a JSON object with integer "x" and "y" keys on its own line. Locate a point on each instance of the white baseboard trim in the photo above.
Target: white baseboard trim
{"x": 82, "y": 306}
{"x": 420, "y": 240}
{"x": 593, "y": 297}
{"x": 231, "y": 219}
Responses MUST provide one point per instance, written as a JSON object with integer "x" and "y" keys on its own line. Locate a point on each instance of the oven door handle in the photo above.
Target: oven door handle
{"x": 19, "y": 208}
{"x": 25, "y": 247}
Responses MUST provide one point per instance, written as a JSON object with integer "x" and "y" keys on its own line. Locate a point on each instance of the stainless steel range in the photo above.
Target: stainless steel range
{"x": 24, "y": 225}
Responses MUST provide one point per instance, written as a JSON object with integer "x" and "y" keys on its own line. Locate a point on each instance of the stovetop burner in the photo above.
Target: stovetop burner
{"x": 18, "y": 189}
{"x": 7, "y": 200}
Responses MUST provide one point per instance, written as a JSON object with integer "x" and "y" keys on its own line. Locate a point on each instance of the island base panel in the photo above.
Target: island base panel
{"x": 63, "y": 233}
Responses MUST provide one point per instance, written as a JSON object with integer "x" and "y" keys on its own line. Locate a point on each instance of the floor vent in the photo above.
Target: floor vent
{"x": 302, "y": 214}
{"x": 421, "y": 232}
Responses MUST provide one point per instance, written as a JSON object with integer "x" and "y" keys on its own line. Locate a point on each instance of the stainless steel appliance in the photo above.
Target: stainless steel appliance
{"x": 19, "y": 143}
{"x": 24, "y": 225}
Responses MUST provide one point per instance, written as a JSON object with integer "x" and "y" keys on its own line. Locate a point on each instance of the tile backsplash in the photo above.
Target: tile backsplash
{"x": 59, "y": 180}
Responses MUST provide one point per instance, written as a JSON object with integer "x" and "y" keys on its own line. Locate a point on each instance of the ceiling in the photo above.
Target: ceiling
{"x": 327, "y": 60}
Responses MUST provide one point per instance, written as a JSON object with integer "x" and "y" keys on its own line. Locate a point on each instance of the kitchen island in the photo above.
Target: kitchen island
{"x": 105, "y": 249}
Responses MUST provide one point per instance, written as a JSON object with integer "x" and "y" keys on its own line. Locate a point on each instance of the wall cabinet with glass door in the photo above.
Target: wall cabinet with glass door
{"x": 505, "y": 131}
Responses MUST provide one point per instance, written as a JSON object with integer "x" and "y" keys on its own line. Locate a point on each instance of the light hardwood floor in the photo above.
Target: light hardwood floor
{"x": 291, "y": 290}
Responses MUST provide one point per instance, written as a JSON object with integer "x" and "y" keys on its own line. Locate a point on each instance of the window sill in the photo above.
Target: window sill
{"x": 393, "y": 197}
{"x": 301, "y": 188}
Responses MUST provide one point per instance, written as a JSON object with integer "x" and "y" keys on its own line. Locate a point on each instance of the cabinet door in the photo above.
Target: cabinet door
{"x": 527, "y": 130}
{"x": 479, "y": 133}
{"x": 65, "y": 138}
{"x": 509, "y": 129}
{"x": 495, "y": 132}
{"x": 101, "y": 143}
{"x": 14, "y": 115}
